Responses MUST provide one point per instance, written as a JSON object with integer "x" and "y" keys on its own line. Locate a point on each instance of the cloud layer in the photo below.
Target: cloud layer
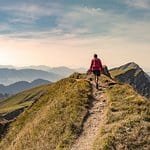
{"x": 65, "y": 26}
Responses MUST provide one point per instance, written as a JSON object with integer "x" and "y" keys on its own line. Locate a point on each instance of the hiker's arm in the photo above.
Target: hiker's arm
{"x": 91, "y": 65}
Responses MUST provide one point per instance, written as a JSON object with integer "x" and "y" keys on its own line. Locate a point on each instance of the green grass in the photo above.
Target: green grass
{"x": 22, "y": 99}
{"x": 126, "y": 124}
{"x": 54, "y": 121}
{"x": 15, "y": 107}
{"x": 118, "y": 72}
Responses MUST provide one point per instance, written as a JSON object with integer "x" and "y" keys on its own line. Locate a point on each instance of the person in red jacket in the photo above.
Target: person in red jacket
{"x": 96, "y": 67}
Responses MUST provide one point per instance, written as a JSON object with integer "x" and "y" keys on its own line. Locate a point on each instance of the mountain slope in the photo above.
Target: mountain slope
{"x": 132, "y": 74}
{"x": 53, "y": 121}
{"x": 10, "y": 76}
{"x": 13, "y": 106}
{"x": 58, "y": 118}
{"x": 21, "y": 86}
{"x": 126, "y": 121}
{"x": 21, "y": 100}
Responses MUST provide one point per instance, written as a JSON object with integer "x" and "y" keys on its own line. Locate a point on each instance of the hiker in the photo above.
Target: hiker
{"x": 97, "y": 68}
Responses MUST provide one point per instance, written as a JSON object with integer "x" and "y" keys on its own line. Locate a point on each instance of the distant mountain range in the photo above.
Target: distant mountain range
{"x": 62, "y": 70}
{"x": 11, "y": 74}
{"x": 7, "y": 66}
{"x": 20, "y": 86}
{"x": 46, "y": 68}
{"x": 14, "y": 80}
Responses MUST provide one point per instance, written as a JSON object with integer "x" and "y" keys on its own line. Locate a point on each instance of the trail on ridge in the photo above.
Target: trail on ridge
{"x": 92, "y": 124}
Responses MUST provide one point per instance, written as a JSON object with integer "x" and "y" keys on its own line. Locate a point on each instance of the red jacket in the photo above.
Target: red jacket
{"x": 96, "y": 64}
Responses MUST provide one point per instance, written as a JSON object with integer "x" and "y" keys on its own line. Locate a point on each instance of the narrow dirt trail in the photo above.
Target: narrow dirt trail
{"x": 93, "y": 122}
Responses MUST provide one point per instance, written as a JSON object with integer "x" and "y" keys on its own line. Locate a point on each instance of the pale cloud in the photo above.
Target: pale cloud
{"x": 89, "y": 11}
{"x": 83, "y": 22}
{"x": 32, "y": 8}
{"x": 24, "y": 20}
{"x": 98, "y": 22}
{"x": 141, "y": 4}
{"x": 75, "y": 22}
{"x": 136, "y": 31}
{"x": 30, "y": 12}
{"x": 76, "y": 15}
{"x": 4, "y": 27}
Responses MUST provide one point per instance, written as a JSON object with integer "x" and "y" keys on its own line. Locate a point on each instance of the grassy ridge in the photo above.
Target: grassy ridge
{"x": 53, "y": 121}
{"x": 125, "y": 68}
{"x": 126, "y": 123}
{"x": 22, "y": 99}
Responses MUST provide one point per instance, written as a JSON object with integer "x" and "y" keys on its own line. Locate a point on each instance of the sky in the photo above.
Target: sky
{"x": 68, "y": 32}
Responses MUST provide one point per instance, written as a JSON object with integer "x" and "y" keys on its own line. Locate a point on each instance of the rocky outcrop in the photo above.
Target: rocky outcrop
{"x": 12, "y": 115}
{"x": 3, "y": 126}
{"x": 6, "y": 119}
{"x": 106, "y": 71}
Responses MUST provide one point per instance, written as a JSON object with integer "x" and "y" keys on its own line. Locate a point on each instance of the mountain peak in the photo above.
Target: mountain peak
{"x": 133, "y": 64}
{"x": 132, "y": 74}
{"x": 129, "y": 66}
